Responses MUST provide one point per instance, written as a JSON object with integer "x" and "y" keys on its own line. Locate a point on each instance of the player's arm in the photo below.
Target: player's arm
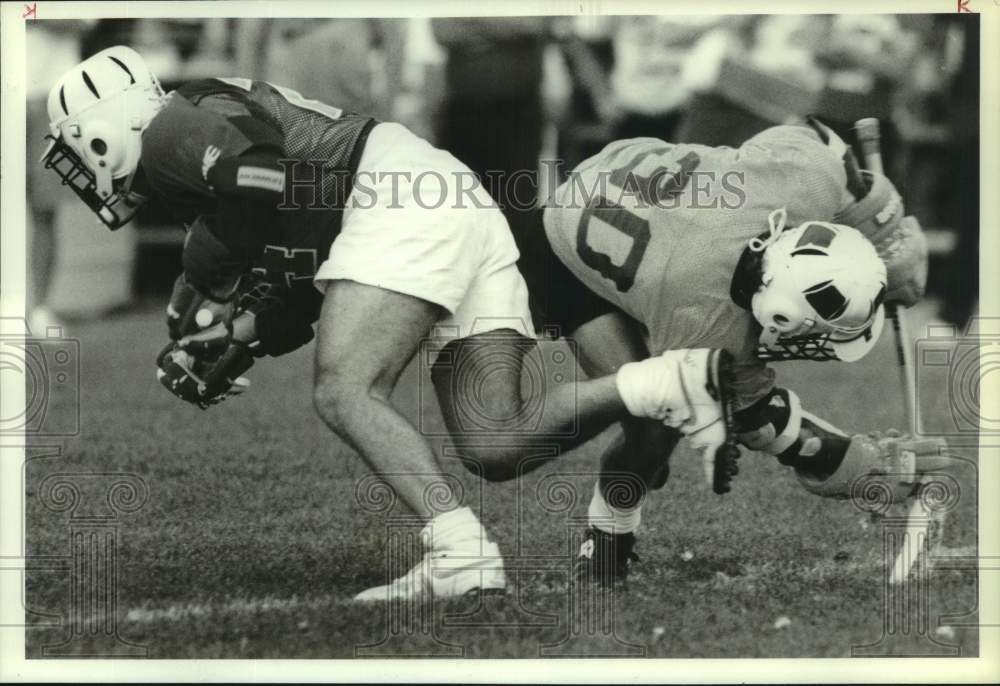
{"x": 776, "y": 424}
{"x": 219, "y": 251}
{"x": 248, "y": 187}
{"x": 828, "y": 461}
{"x": 232, "y": 162}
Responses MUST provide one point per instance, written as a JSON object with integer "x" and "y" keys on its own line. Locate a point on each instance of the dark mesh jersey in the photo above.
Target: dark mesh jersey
{"x": 211, "y": 122}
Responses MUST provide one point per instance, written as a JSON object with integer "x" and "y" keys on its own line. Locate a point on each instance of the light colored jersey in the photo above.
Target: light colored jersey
{"x": 658, "y": 228}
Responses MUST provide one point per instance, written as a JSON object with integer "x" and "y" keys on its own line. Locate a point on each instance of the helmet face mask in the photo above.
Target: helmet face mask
{"x": 824, "y": 347}
{"x": 820, "y": 294}
{"x": 114, "y": 211}
{"x": 97, "y": 113}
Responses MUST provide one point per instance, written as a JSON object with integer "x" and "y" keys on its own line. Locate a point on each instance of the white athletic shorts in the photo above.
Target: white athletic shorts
{"x": 409, "y": 227}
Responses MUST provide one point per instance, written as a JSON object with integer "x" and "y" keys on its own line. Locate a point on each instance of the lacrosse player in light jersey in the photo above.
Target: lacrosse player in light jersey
{"x": 780, "y": 249}
{"x": 297, "y": 212}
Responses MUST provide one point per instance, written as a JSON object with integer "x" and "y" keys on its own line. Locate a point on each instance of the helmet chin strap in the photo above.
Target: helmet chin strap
{"x": 776, "y": 223}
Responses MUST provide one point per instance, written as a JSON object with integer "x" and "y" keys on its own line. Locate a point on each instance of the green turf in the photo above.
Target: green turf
{"x": 252, "y": 542}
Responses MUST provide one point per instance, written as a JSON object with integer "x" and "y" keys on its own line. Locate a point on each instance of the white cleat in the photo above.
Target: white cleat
{"x": 445, "y": 574}
{"x": 688, "y": 390}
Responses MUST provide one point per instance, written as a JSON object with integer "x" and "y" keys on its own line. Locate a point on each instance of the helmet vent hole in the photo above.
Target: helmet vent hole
{"x": 90, "y": 84}
{"x": 99, "y": 146}
{"x": 827, "y": 300}
{"x": 62, "y": 99}
{"x": 122, "y": 65}
{"x": 780, "y": 319}
{"x": 816, "y": 235}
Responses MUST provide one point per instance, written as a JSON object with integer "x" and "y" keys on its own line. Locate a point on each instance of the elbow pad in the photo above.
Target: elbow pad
{"x": 776, "y": 424}
{"x": 256, "y": 175}
{"x": 771, "y": 425}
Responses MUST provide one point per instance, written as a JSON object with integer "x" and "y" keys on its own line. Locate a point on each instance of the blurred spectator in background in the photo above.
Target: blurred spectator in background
{"x": 483, "y": 88}
{"x": 757, "y": 71}
{"x": 176, "y": 49}
{"x": 492, "y": 116}
{"x": 867, "y": 58}
{"x": 921, "y": 115}
{"x": 777, "y": 69}
{"x": 635, "y": 76}
{"x": 164, "y": 43}
{"x": 962, "y": 283}
{"x": 104, "y": 33}
{"x": 353, "y": 64}
{"x": 656, "y": 67}
{"x": 417, "y": 98}
{"x": 588, "y": 51}
{"x": 55, "y": 47}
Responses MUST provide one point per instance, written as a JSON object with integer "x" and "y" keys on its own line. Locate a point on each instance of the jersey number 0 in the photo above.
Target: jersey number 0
{"x": 652, "y": 191}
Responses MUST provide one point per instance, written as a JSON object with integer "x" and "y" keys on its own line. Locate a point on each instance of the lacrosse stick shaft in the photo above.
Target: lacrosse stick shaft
{"x": 901, "y": 326}
{"x": 868, "y": 136}
{"x": 922, "y": 524}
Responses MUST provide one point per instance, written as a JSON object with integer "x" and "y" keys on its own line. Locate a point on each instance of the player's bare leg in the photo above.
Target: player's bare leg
{"x": 658, "y": 388}
{"x": 642, "y": 449}
{"x": 366, "y": 337}
{"x": 636, "y": 462}
{"x": 485, "y": 372}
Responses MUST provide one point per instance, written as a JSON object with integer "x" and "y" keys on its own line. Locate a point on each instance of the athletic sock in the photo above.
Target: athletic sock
{"x": 609, "y": 519}
{"x": 455, "y": 529}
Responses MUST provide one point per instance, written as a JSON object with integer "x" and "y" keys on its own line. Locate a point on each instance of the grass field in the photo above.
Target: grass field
{"x": 252, "y": 541}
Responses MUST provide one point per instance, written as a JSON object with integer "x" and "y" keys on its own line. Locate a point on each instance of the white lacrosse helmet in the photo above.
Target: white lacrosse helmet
{"x": 821, "y": 292}
{"x": 97, "y": 113}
